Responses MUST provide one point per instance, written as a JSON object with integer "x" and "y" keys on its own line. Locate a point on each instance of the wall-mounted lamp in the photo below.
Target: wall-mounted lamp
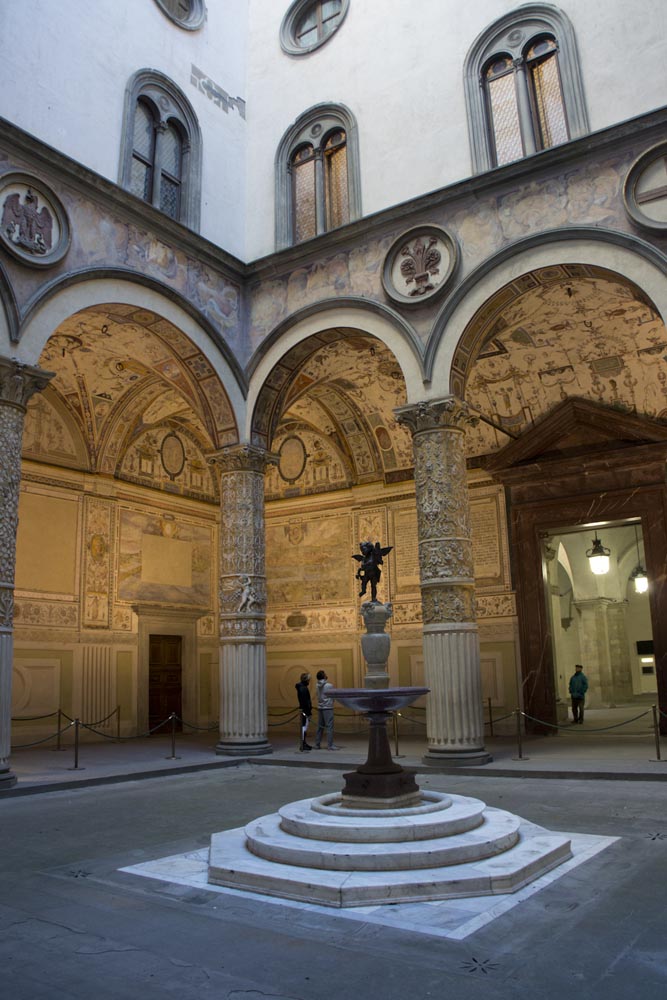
{"x": 638, "y": 575}
{"x": 598, "y": 557}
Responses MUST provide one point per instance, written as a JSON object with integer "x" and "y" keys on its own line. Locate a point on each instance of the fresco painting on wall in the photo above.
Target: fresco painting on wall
{"x": 164, "y": 560}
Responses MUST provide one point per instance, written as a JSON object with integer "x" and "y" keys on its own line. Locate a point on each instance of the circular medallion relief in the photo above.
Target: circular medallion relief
{"x": 419, "y": 265}
{"x": 645, "y": 189}
{"x": 172, "y": 455}
{"x": 292, "y": 458}
{"x": 34, "y": 225}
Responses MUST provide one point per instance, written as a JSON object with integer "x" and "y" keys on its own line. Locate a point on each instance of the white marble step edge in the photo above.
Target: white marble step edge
{"x": 459, "y": 814}
{"x": 537, "y": 852}
{"x": 498, "y": 832}
{"x": 331, "y": 805}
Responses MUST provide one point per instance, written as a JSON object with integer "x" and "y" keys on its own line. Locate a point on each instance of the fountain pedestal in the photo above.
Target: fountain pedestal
{"x": 380, "y": 783}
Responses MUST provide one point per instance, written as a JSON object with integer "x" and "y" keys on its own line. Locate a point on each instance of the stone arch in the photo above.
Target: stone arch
{"x": 628, "y": 257}
{"x": 92, "y": 289}
{"x": 9, "y": 315}
{"x": 350, "y": 314}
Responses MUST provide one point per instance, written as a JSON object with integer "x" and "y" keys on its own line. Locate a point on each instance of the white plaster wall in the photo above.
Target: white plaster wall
{"x": 63, "y": 77}
{"x": 398, "y": 66}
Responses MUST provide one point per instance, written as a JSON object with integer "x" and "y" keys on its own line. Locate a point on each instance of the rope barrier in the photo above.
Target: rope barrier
{"x": 33, "y": 718}
{"x": 51, "y": 736}
{"x": 587, "y": 732}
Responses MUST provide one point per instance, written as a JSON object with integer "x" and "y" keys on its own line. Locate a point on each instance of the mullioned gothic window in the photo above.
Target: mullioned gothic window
{"x": 523, "y": 87}
{"x": 161, "y": 155}
{"x": 317, "y": 175}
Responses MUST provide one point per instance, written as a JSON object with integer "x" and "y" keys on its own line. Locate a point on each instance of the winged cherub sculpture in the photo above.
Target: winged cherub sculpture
{"x": 369, "y": 570}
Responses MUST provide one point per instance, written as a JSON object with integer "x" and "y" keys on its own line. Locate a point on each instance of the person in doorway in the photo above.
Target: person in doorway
{"x": 578, "y": 689}
{"x": 325, "y": 712}
{"x": 305, "y": 707}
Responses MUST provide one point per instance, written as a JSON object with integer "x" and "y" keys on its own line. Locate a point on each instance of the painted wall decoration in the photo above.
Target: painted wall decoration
{"x": 171, "y": 460}
{"x": 567, "y": 330}
{"x": 163, "y": 559}
{"x": 97, "y": 559}
{"x": 49, "y": 436}
{"x": 304, "y": 561}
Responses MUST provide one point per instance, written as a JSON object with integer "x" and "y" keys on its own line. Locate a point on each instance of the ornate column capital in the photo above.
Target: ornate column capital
{"x": 242, "y": 458}
{"x": 450, "y": 413}
{"x": 18, "y": 382}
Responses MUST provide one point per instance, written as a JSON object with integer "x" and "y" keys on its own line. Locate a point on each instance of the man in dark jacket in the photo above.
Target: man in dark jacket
{"x": 578, "y": 689}
{"x": 306, "y": 708}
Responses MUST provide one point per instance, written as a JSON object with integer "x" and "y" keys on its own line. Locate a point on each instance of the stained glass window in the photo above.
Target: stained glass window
{"x": 304, "y": 194}
{"x": 336, "y": 188}
{"x": 143, "y": 151}
{"x": 504, "y": 111}
{"x": 547, "y": 94}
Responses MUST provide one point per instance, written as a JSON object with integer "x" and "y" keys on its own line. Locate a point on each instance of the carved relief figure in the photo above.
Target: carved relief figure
{"x": 24, "y": 225}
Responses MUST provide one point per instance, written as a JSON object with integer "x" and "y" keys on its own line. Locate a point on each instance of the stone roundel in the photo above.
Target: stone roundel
{"x": 420, "y": 265}
{"x": 34, "y": 226}
{"x": 645, "y": 189}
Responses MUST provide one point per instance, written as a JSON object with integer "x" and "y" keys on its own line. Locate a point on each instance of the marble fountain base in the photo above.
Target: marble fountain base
{"x": 381, "y": 839}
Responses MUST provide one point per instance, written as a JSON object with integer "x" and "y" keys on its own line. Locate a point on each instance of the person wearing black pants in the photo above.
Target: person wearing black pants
{"x": 306, "y": 708}
{"x": 578, "y": 689}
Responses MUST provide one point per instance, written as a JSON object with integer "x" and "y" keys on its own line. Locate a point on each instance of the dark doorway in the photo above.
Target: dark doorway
{"x": 164, "y": 678}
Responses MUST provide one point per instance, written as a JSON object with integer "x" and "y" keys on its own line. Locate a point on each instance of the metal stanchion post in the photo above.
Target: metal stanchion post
{"x": 76, "y": 748}
{"x": 396, "y": 715}
{"x": 173, "y": 737}
{"x": 520, "y": 756}
{"x": 656, "y": 731}
{"x": 58, "y": 745}
{"x": 118, "y": 723}
{"x": 490, "y": 719}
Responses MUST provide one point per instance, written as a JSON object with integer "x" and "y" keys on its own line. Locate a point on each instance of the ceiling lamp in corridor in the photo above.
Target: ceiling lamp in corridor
{"x": 638, "y": 575}
{"x": 598, "y": 556}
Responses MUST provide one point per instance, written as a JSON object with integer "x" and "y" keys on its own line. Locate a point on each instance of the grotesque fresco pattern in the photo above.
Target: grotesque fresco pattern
{"x": 129, "y": 380}
{"x": 339, "y": 402}
{"x": 558, "y": 332}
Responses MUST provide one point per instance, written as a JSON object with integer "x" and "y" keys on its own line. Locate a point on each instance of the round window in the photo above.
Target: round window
{"x": 188, "y": 14}
{"x": 310, "y": 23}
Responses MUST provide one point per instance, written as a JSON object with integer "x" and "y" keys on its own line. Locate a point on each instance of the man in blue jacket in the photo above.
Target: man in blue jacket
{"x": 578, "y": 689}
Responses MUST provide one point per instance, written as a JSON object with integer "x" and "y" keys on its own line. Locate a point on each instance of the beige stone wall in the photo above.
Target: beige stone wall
{"x": 313, "y": 603}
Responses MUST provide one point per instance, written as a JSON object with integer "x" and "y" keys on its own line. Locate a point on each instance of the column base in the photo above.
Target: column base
{"x": 7, "y": 780}
{"x": 254, "y": 748}
{"x": 457, "y": 758}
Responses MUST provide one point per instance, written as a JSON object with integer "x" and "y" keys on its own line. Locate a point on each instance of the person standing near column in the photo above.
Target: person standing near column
{"x": 578, "y": 689}
{"x": 306, "y": 708}
{"x": 325, "y": 712}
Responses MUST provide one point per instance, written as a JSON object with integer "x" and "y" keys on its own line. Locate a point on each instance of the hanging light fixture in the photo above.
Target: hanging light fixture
{"x": 598, "y": 557}
{"x": 638, "y": 575}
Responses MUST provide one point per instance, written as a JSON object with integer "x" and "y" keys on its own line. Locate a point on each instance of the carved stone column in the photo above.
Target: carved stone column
{"x": 454, "y": 719}
{"x": 242, "y": 596}
{"x": 18, "y": 383}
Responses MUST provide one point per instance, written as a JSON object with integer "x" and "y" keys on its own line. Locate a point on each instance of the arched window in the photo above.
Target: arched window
{"x": 523, "y": 87}
{"x": 317, "y": 176}
{"x": 161, "y": 157}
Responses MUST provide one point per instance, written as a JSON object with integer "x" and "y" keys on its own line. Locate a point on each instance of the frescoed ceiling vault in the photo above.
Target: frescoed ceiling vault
{"x": 327, "y": 411}
{"x": 133, "y": 398}
{"x": 572, "y": 330}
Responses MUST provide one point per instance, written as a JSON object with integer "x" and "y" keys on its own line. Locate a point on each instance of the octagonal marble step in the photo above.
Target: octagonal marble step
{"x": 536, "y": 852}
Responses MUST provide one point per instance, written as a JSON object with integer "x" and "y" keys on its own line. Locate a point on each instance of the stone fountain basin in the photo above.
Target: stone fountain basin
{"x": 379, "y": 700}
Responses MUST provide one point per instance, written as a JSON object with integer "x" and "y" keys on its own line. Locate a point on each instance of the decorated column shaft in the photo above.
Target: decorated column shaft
{"x": 454, "y": 720}
{"x": 18, "y": 383}
{"x": 242, "y": 595}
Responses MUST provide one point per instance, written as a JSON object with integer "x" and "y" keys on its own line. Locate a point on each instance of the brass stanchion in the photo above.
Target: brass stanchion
{"x": 656, "y": 731}
{"x": 396, "y": 715}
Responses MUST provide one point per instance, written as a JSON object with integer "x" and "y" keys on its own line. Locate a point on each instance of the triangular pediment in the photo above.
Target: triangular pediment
{"x": 574, "y": 428}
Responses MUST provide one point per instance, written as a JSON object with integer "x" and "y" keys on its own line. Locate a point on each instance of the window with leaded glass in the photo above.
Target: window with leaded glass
{"x": 161, "y": 157}
{"x": 523, "y": 84}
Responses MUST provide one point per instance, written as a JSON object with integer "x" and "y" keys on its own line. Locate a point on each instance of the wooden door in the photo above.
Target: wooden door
{"x": 164, "y": 679}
